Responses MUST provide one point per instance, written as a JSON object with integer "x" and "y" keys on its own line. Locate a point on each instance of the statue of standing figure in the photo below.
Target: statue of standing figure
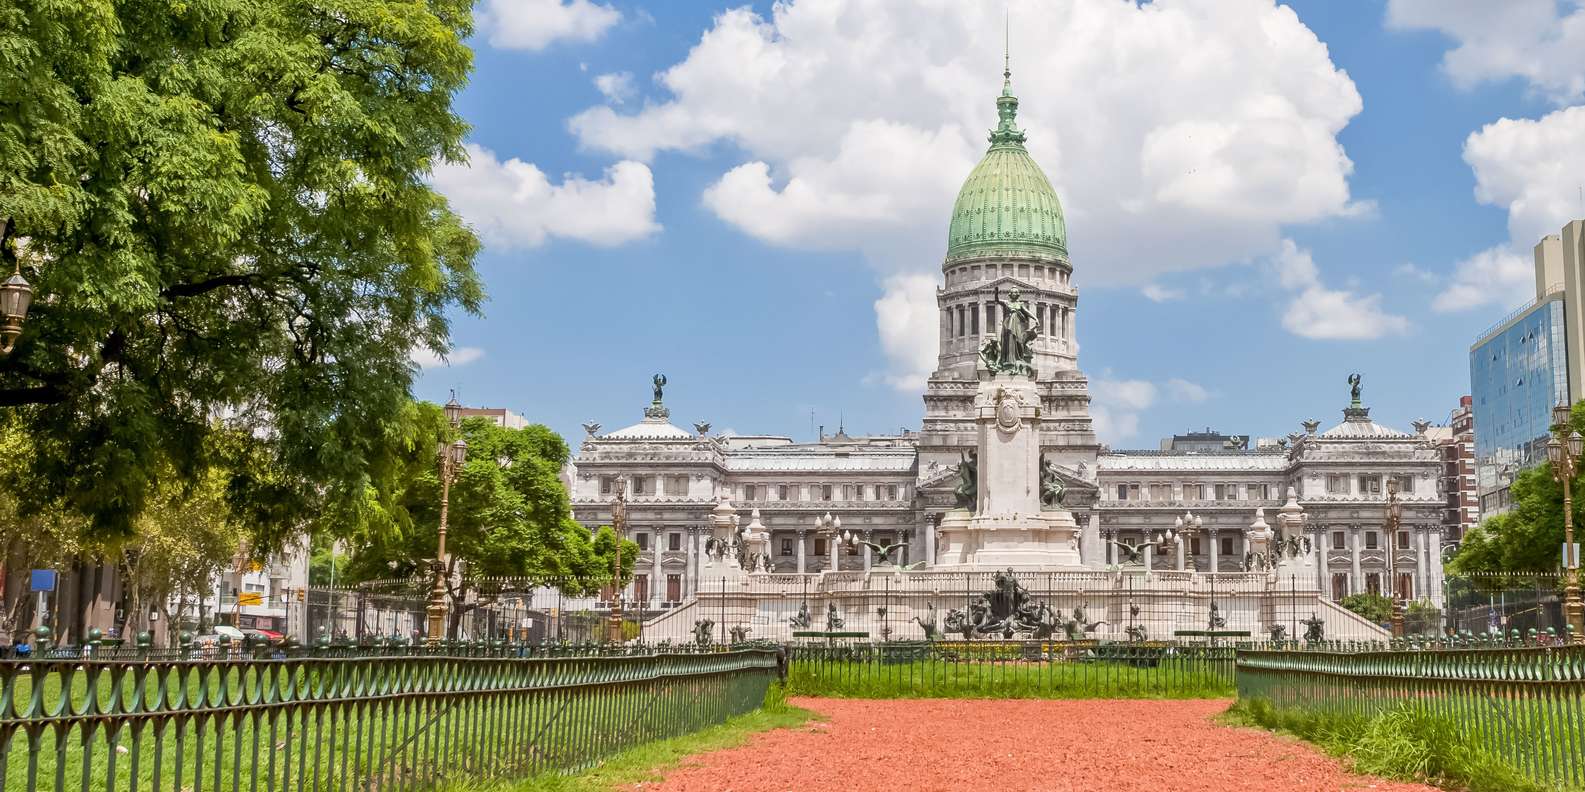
{"x": 1019, "y": 330}
{"x": 660, "y": 386}
{"x": 967, "y": 491}
{"x": 1051, "y": 489}
{"x": 1354, "y": 381}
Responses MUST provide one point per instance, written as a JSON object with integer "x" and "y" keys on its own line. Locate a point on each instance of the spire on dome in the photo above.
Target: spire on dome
{"x": 1007, "y": 131}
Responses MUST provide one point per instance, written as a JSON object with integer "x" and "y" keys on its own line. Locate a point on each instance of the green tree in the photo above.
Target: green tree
{"x": 183, "y": 543}
{"x": 1373, "y": 607}
{"x": 509, "y": 516}
{"x": 223, "y": 209}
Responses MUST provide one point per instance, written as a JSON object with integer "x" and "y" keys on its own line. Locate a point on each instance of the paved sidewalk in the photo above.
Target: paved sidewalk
{"x": 1015, "y": 745}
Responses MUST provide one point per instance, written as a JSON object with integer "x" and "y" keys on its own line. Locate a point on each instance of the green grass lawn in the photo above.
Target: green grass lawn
{"x": 1172, "y": 679}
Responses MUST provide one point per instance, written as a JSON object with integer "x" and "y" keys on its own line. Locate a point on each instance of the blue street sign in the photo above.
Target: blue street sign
{"x": 42, "y": 580}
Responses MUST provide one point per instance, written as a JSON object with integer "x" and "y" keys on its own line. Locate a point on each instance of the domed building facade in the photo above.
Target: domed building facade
{"x": 1366, "y": 496}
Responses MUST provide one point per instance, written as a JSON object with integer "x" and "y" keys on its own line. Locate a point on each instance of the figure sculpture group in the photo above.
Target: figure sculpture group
{"x": 1008, "y": 610}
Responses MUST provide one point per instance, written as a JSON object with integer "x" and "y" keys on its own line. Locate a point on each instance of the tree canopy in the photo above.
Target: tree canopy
{"x": 222, "y": 208}
{"x": 1528, "y": 538}
{"x": 509, "y": 514}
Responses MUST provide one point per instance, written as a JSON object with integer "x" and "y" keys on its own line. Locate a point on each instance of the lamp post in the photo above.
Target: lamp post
{"x": 451, "y": 455}
{"x": 613, "y": 628}
{"x": 1564, "y": 450}
{"x": 1187, "y": 525}
{"x": 15, "y": 296}
{"x": 830, "y": 528}
{"x": 1393, "y": 516}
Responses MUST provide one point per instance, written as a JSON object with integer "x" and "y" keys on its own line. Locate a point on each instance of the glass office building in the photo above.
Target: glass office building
{"x": 1518, "y": 371}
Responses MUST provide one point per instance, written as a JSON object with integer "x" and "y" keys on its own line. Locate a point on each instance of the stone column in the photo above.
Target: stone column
{"x": 1183, "y": 547}
{"x": 1108, "y": 551}
{"x": 1356, "y": 584}
{"x": 690, "y": 580}
{"x": 832, "y": 548}
{"x": 1434, "y": 561}
{"x": 867, "y": 537}
{"x": 802, "y": 534}
{"x": 657, "y": 578}
{"x": 1150, "y": 557}
{"x": 1211, "y": 537}
{"x": 1422, "y": 586}
{"x": 930, "y": 537}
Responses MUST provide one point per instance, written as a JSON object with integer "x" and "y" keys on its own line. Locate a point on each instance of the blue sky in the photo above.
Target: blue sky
{"x": 1261, "y": 199}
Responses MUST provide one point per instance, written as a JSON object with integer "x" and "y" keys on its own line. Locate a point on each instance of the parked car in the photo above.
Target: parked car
{"x": 269, "y": 637}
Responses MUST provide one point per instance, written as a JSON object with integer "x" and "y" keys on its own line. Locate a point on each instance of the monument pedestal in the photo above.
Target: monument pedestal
{"x": 1008, "y": 527}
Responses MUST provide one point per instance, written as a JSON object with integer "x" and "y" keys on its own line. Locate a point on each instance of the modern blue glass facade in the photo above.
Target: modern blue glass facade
{"x": 1517, "y": 373}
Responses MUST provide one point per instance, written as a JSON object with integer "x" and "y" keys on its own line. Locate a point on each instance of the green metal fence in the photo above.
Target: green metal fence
{"x": 1523, "y": 703}
{"x": 1011, "y": 669}
{"x": 318, "y": 723}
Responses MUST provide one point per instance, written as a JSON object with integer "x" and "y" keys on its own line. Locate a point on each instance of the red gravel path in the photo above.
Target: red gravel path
{"x": 1011, "y": 746}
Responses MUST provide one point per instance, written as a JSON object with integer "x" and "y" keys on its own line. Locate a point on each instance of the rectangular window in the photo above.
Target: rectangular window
{"x": 1226, "y": 491}
{"x": 1405, "y": 484}
{"x": 785, "y": 493}
{"x": 962, "y": 328}
{"x": 1122, "y": 492}
{"x": 825, "y": 492}
{"x": 1194, "y": 545}
{"x": 674, "y": 588}
{"x": 639, "y": 485}
{"x": 820, "y": 546}
{"x": 1040, "y": 317}
{"x": 1337, "y": 484}
{"x": 606, "y": 485}
{"x": 642, "y": 540}
{"x": 1227, "y": 545}
{"x": 677, "y": 485}
{"x": 990, "y": 317}
{"x": 891, "y": 492}
{"x": 1261, "y": 491}
{"x": 1339, "y": 542}
{"x": 1133, "y": 492}
{"x": 641, "y": 588}
{"x": 1403, "y": 540}
{"x": 847, "y": 492}
{"x": 749, "y": 492}
{"x": 1371, "y": 542}
{"x": 1370, "y": 485}
{"x": 1193, "y": 492}
{"x": 1339, "y": 586}
{"x": 674, "y": 541}
{"x": 1161, "y": 492}
{"x": 786, "y": 547}
{"x": 974, "y": 320}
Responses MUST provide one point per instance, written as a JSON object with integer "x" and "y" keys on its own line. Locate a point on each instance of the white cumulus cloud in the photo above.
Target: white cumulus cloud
{"x": 1179, "y": 134}
{"x": 617, "y": 87}
{"x": 458, "y": 356}
{"x": 536, "y": 24}
{"x": 1117, "y": 404}
{"x": 907, "y": 319}
{"x": 513, "y": 204}
{"x": 1155, "y": 292}
{"x": 1319, "y": 312}
{"x": 1531, "y": 168}
{"x": 1539, "y": 41}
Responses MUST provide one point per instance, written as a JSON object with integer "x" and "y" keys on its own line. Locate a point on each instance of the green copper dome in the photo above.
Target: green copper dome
{"x": 1007, "y": 204}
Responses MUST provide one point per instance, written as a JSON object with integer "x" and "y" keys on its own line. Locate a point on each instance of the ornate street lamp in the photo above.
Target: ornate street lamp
{"x": 618, "y": 527}
{"x": 451, "y": 456}
{"x": 16, "y": 294}
{"x": 1564, "y": 451}
{"x": 830, "y": 529}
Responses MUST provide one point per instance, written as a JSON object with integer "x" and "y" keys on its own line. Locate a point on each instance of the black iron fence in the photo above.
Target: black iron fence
{"x": 405, "y": 721}
{"x": 1523, "y": 703}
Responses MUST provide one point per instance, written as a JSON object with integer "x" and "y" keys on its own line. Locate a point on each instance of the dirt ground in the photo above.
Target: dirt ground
{"x": 1011, "y": 746}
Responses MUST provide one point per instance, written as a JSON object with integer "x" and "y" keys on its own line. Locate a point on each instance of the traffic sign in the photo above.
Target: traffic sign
{"x": 250, "y": 598}
{"x": 42, "y": 580}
